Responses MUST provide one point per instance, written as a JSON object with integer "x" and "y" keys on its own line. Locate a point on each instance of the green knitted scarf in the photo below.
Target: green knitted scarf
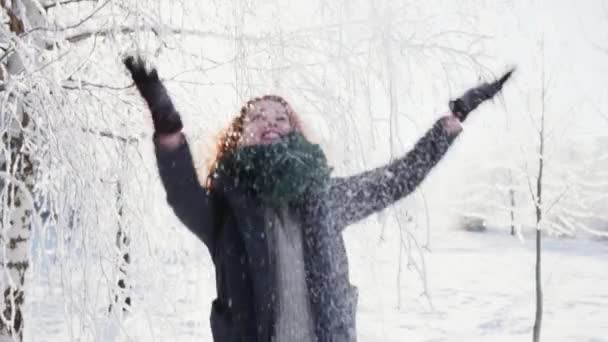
{"x": 281, "y": 172}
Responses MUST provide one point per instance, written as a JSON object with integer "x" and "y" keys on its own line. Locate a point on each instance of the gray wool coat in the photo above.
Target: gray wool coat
{"x": 233, "y": 226}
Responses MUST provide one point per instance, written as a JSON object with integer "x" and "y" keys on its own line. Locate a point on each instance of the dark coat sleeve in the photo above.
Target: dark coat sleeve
{"x": 191, "y": 202}
{"x": 356, "y": 197}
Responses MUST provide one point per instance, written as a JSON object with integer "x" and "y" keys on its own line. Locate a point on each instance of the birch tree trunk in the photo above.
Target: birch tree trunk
{"x": 16, "y": 180}
{"x": 122, "y": 299}
{"x": 16, "y": 211}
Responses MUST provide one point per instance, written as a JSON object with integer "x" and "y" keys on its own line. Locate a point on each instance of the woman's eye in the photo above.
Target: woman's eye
{"x": 282, "y": 118}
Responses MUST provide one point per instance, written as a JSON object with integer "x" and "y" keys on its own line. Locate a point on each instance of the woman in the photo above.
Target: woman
{"x": 272, "y": 216}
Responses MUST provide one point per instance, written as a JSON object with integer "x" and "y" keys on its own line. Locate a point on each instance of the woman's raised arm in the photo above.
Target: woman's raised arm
{"x": 190, "y": 201}
{"x": 354, "y": 198}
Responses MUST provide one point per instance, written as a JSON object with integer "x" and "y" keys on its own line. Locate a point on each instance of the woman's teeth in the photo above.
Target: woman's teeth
{"x": 270, "y": 135}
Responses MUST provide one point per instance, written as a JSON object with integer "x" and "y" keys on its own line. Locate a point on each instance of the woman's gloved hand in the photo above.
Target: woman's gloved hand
{"x": 462, "y": 106}
{"x": 165, "y": 117}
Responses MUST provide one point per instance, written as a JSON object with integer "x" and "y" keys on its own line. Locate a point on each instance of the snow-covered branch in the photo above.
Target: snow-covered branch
{"x": 58, "y": 3}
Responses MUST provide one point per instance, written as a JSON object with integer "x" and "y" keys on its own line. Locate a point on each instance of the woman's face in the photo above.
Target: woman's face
{"x": 266, "y": 122}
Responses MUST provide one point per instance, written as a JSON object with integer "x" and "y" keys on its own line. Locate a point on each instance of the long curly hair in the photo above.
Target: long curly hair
{"x": 231, "y": 136}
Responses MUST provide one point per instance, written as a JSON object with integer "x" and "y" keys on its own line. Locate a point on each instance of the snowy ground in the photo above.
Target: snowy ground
{"x": 481, "y": 286}
{"x": 482, "y": 289}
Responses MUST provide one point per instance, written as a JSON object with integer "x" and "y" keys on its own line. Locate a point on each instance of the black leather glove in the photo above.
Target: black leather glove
{"x": 462, "y": 106}
{"x": 165, "y": 117}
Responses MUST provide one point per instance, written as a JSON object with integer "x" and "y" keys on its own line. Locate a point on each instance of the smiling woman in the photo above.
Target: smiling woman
{"x": 272, "y": 215}
{"x": 262, "y": 120}
{"x": 266, "y": 120}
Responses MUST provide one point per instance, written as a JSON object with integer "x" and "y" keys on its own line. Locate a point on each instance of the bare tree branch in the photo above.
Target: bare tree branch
{"x": 6, "y": 52}
{"x": 78, "y": 37}
{"x": 85, "y": 19}
{"x": 50, "y": 5}
{"x": 81, "y": 84}
{"x": 82, "y": 21}
{"x": 110, "y": 135}
{"x": 15, "y": 23}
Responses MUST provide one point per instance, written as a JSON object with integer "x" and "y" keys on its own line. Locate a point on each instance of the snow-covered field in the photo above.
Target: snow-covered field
{"x": 481, "y": 288}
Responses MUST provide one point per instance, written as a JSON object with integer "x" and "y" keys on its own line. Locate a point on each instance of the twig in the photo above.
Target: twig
{"x": 91, "y": 84}
{"x": 128, "y": 30}
{"x": 6, "y": 53}
{"x": 82, "y": 21}
{"x": 61, "y": 3}
{"x": 110, "y": 135}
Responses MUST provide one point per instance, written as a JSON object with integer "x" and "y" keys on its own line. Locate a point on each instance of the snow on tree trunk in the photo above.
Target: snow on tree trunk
{"x": 121, "y": 298}
{"x": 16, "y": 181}
{"x": 16, "y": 210}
